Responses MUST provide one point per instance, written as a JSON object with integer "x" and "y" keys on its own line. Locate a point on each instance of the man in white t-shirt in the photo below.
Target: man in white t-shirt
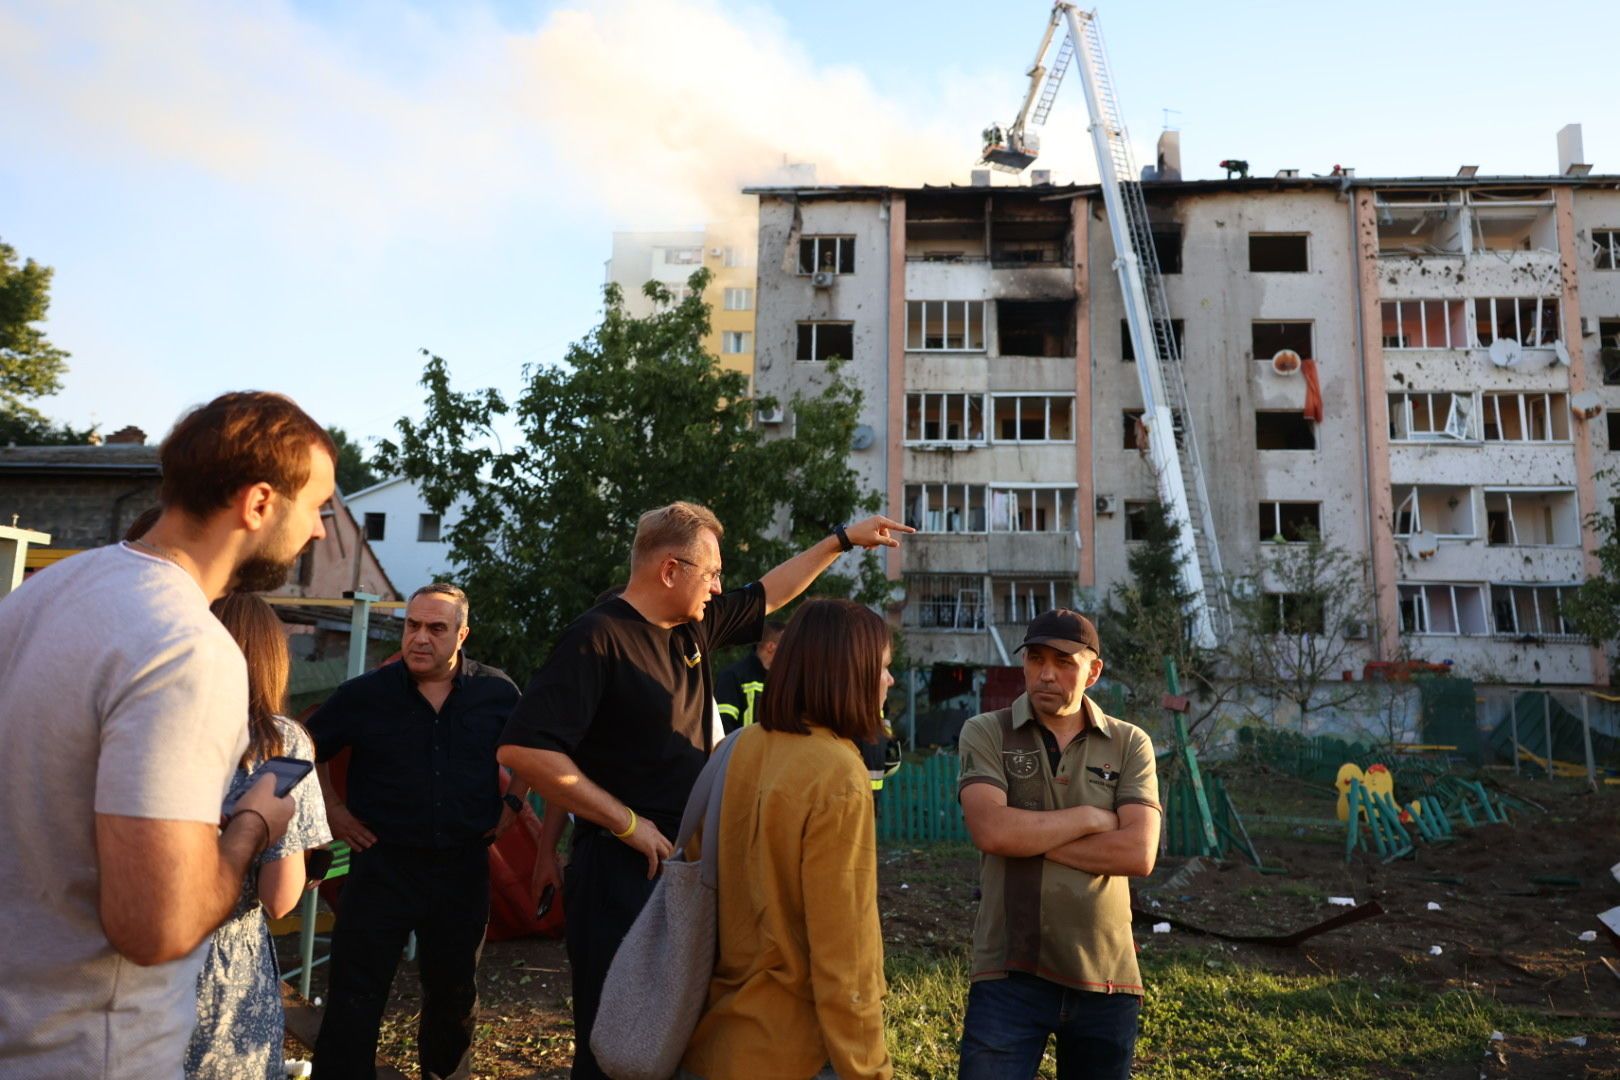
{"x": 123, "y": 714}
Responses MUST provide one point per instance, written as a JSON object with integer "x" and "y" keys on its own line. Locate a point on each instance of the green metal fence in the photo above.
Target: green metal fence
{"x": 919, "y": 804}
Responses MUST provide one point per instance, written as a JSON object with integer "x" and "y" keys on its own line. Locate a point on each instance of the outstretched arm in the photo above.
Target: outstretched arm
{"x": 784, "y": 583}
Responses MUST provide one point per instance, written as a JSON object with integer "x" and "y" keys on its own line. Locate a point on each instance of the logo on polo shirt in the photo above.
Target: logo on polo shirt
{"x": 695, "y": 659}
{"x": 1021, "y": 764}
{"x": 1105, "y": 773}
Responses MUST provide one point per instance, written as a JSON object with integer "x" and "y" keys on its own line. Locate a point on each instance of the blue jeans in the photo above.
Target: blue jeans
{"x": 1009, "y": 1020}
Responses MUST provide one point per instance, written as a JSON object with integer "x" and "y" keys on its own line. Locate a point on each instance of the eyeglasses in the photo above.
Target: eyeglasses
{"x": 710, "y": 577}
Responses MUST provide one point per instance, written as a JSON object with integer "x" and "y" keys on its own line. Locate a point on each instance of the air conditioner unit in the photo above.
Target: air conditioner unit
{"x": 1107, "y": 505}
{"x": 773, "y": 415}
{"x": 822, "y": 279}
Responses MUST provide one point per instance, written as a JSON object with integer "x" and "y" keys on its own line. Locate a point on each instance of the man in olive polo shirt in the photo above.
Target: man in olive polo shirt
{"x": 1063, "y": 801}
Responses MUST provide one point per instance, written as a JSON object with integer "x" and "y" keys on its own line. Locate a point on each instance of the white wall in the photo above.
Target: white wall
{"x": 410, "y": 563}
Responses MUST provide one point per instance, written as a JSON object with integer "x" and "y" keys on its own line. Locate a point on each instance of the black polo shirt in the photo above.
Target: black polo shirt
{"x": 418, "y": 777}
{"x": 631, "y": 702}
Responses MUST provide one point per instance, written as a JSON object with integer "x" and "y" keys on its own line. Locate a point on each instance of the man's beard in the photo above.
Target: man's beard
{"x": 264, "y": 570}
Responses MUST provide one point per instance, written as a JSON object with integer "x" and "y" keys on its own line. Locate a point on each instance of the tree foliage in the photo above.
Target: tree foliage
{"x": 1294, "y": 626}
{"x": 1594, "y": 608}
{"x": 354, "y": 471}
{"x": 30, "y": 366}
{"x": 637, "y": 415}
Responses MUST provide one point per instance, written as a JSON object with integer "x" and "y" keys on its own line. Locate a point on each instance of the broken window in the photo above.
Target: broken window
{"x": 944, "y": 602}
{"x": 1437, "y": 417}
{"x": 946, "y": 508}
{"x": 1136, "y": 520}
{"x": 1443, "y": 608}
{"x": 827, "y": 254}
{"x": 1534, "y": 610}
{"x": 1133, "y": 418}
{"x": 1033, "y": 418}
{"x": 1420, "y": 223}
{"x": 1035, "y": 327}
{"x": 739, "y": 299}
{"x": 1521, "y": 416}
{"x": 826, "y": 340}
{"x": 1530, "y": 321}
{"x": 733, "y": 342}
{"x": 1290, "y": 522}
{"x": 1606, "y": 249}
{"x": 945, "y": 418}
{"x": 1127, "y": 347}
{"x": 1447, "y": 510}
{"x": 1167, "y": 247}
{"x": 1270, "y": 338}
{"x": 1609, "y": 350}
{"x": 1283, "y": 430}
{"x": 1531, "y": 517}
{"x": 945, "y": 240}
{"x": 1278, "y": 252}
{"x": 1019, "y": 601}
{"x": 1019, "y": 239}
{"x": 945, "y": 325}
{"x": 1425, "y": 324}
{"x": 1031, "y": 509}
{"x": 1513, "y": 219}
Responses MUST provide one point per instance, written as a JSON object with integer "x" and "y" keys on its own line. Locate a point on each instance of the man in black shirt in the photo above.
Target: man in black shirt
{"x": 741, "y": 684}
{"x": 424, "y": 803}
{"x": 617, "y": 725}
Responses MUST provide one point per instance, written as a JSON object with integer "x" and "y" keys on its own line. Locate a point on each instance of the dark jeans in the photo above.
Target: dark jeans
{"x": 1009, "y": 1020}
{"x": 441, "y": 894}
{"x": 604, "y": 889}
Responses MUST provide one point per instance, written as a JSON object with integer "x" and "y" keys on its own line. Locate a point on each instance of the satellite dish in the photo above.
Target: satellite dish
{"x": 1505, "y": 352}
{"x": 1560, "y": 351}
{"x": 1423, "y": 545}
{"x": 1586, "y": 405}
{"x": 863, "y": 437}
{"x": 1286, "y": 362}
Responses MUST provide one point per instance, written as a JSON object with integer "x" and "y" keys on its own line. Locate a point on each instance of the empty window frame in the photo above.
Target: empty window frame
{"x": 1026, "y": 508}
{"x": 1127, "y": 347}
{"x": 1606, "y": 249}
{"x": 1283, "y": 430}
{"x": 944, "y": 602}
{"x": 1443, "y": 608}
{"x": 683, "y": 256}
{"x": 945, "y": 418}
{"x": 1293, "y": 614}
{"x": 739, "y": 299}
{"x": 826, "y": 340}
{"x": 427, "y": 529}
{"x": 1270, "y": 338}
{"x": 1279, "y": 253}
{"x": 1033, "y": 418}
{"x": 734, "y": 342}
{"x": 1447, "y": 510}
{"x": 1167, "y": 247}
{"x": 1609, "y": 350}
{"x": 1136, "y": 519}
{"x": 1520, "y": 416}
{"x": 827, "y": 254}
{"x": 1425, "y": 324}
{"x": 1531, "y": 321}
{"x": 1533, "y": 610}
{"x": 376, "y": 526}
{"x": 1035, "y": 327}
{"x": 945, "y": 325}
{"x": 1532, "y": 517}
{"x": 1614, "y": 431}
{"x": 1438, "y": 417}
{"x": 1135, "y": 429}
{"x": 1291, "y": 522}
{"x": 1019, "y": 601}
{"x": 1420, "y": 223}
{"x": 946, "y": 508}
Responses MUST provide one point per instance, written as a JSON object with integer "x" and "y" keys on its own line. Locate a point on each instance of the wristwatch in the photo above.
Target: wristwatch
{"x": 514, "y": 803}
{"x": 844, "y": 542}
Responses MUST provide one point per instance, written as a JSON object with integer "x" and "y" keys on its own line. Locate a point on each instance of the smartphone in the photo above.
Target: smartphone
{"x": 288, "y": 771}
{"x": 547, "y": 895}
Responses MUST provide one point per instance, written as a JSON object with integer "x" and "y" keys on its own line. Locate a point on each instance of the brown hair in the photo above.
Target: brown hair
{"x": 828, "y": 671}
{"x": 241, "y": 438}
{"x": 450, "y": 591}
{"x": 677, "y": 525}
{"x": 258, "y": 632}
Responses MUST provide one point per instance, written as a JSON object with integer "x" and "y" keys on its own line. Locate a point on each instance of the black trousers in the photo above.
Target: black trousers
{"x": 604, "y": 889}
{"x": 442, "y": 895}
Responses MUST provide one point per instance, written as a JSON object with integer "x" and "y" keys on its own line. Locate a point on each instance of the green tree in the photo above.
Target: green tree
{"x": 354, "y": 472}
{"x": 30, "y": 366}
{"x": 636, "y": 416}
{"x": 1594, "y": 608}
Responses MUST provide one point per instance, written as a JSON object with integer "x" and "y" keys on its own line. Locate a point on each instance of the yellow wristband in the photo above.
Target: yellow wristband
{"x": 628, "y": 829}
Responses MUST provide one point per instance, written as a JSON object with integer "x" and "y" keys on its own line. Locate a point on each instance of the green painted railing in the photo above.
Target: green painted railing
{"x": 918, "y": 803}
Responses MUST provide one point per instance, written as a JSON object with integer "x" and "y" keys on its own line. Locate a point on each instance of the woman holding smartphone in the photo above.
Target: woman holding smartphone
{"x": 240, "y": 1022}
{"x": 798, "y": 982}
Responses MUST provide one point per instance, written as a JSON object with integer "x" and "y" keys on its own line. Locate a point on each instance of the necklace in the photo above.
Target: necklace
{"x": 154, "y": 549}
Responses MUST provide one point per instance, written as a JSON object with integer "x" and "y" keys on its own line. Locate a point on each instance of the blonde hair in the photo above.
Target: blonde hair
{"x": 676, "y": 526}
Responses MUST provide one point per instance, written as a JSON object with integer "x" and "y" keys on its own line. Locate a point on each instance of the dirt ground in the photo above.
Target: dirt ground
{"x": 1500, "y": 934}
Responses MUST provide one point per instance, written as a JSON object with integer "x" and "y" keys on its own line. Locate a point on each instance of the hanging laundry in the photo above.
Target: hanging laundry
{"x": 1313, "y": 391}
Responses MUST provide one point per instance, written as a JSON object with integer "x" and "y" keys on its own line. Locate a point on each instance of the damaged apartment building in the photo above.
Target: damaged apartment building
{"x": 1465, "y": 332}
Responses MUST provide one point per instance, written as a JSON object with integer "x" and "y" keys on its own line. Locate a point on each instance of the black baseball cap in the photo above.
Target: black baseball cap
{"x": 1064, "y": 630}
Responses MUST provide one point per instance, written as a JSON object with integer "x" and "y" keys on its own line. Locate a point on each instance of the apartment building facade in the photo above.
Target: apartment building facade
{"x": 671, "y": 257}
{"x": 986, "y": 330}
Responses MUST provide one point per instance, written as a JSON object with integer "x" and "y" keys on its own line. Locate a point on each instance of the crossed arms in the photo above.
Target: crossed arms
{"x": 1123, "y": 842}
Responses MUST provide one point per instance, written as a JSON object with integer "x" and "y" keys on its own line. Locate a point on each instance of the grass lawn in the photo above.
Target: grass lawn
{"x": 1205, "y": 1016}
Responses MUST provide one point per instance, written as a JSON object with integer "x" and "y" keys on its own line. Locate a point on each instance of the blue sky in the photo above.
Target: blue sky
{"x": 299, "y": 196}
